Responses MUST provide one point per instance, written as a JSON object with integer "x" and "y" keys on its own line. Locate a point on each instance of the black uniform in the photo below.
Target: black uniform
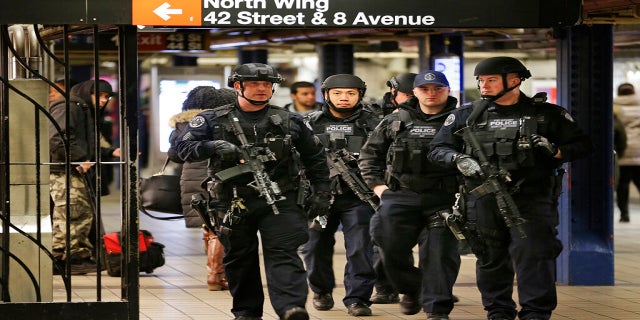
{"x": 396, "y": 155}
{"x": 281, "y": 234}
{"x": 536, "y": 182}
{"x": 347, "y": 209}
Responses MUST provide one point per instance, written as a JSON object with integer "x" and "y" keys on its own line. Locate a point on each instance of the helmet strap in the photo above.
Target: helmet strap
{"x": 393, "y": 97}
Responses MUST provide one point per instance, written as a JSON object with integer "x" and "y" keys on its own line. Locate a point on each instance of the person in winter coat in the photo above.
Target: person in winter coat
{"x": 194, "y": 173}
{"x": 628, "y": 106}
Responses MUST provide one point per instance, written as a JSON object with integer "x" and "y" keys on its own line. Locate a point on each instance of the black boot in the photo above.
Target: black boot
{"x": 624, "y": 216}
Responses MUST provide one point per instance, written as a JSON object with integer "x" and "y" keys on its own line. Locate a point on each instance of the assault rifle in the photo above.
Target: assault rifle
{"x": 338, "y": 165}
{"x": 254, "y": 158}
{"x": 495, "y": 183}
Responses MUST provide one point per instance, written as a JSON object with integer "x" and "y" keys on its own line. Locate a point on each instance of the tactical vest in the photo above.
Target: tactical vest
{"x": 505, "y": 137}
{"x": 407, "y": 161}
{"x": 351, "y": 136}
{"x": 272, "y": 131}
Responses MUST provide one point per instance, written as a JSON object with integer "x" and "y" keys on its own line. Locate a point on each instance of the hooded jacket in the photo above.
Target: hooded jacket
{"x": 79, "y": 131}
{"x": 193, "y": 173}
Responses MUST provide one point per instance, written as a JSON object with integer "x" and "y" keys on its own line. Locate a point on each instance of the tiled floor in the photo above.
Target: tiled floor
{"x": 178, "y": 289}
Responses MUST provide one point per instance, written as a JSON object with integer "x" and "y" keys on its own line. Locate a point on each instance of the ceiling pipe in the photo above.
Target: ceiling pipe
{"x": 18, "y": 40}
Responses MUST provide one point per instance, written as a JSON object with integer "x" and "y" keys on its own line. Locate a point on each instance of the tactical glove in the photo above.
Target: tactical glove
{"x": 318, "y": 204}
{"x": 467, "y": 165}
{"x": 543, "y": 144}
{"x": 226, "y": 151}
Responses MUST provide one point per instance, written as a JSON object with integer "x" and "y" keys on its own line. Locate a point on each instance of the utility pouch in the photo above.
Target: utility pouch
{"x": 337, "y": 140}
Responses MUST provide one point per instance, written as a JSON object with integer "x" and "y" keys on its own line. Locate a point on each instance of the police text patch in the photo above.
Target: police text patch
{"x": 504, "y": 123}
{"x": 346, "y": 128}
{"x": 423, "y": 131}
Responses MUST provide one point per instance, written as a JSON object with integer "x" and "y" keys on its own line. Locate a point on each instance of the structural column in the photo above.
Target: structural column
{"x": 585, "y": 77}
{"x": 335, "y": 59}
{"x": 249, "y": 56}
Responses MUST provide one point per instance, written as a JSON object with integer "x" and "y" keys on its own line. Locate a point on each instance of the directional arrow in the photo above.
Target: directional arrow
{"x": 164, "y": 12}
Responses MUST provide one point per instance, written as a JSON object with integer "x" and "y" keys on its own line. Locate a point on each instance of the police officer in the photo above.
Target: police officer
{"x": 413, "y": 192}
{"x": 273, "y": 131}
{"x": 400, "y": 90}
{"x": 528, "y": 140}
{"x": 343, "y": 125}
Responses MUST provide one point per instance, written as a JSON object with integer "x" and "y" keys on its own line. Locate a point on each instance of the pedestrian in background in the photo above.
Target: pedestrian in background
{"x": 303, "y": 96}
{"x": 628, "y": 106}
{"x": 194, "y": 173}
{"x": 79, "y": 134}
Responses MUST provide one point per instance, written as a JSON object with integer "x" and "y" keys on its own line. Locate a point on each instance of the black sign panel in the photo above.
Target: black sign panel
{"x": 65, "y": 12}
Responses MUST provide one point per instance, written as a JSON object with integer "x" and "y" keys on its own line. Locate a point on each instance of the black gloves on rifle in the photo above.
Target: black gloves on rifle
{"x": 226, "y": 151}
{"x": 543, "y": 144}
{"x": 467, "y": 165}
{"x": 318, "y": 204}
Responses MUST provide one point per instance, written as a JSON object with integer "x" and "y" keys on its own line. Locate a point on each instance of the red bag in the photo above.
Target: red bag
{"x": 151, "y": 252}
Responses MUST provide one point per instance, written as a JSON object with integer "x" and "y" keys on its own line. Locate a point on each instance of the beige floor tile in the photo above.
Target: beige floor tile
{"x": 178, "y": 289}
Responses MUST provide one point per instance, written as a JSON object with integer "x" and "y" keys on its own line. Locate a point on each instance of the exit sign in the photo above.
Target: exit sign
{"x": 179, "y": 41}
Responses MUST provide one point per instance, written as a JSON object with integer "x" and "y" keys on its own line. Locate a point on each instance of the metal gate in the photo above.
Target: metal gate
{"x": 28, "y": 64}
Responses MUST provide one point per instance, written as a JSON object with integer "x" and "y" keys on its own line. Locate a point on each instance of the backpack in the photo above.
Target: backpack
{"x": 151, "y": 253}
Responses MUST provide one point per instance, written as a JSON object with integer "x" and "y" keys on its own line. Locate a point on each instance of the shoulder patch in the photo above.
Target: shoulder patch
{"x": 568, "y": 116}
{"x": 196, "y": 122}
{"x": 450, "y": 119}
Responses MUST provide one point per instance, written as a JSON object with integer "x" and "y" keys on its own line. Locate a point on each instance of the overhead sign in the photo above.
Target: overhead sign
{"x": 355, "y": 13}
{"x": 297, "y": 13}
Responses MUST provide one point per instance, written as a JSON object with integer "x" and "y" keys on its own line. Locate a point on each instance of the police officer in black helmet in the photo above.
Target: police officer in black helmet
{"x": 343, "y": 125}
{"x": 400, "y": 90}
{"x": 526, "y": 139}
{"x": 413, "y": 192}
{"x": 283, "y": 228}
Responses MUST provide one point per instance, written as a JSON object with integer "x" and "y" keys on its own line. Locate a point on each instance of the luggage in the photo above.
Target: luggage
{"x": 151, "y": 253}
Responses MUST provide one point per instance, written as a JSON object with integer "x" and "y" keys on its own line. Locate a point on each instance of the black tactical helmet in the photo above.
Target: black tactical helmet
{"x": 344, "y": 81}
{"x": 254, "y": 72}
{"x": 501, "y": 65}
{"x": 402, "y": 82}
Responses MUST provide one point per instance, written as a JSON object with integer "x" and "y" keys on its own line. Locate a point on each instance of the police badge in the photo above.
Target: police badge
{"x": 450, "y": 119}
